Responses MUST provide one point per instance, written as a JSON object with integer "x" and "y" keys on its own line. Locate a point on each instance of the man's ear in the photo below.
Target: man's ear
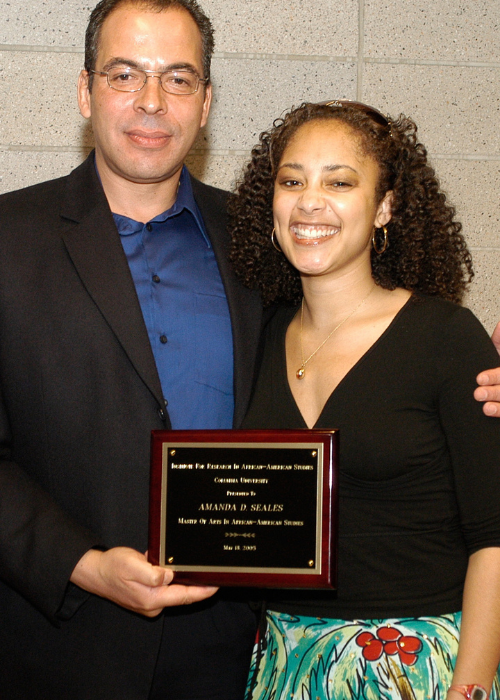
{"x": 84, "y": 94}
{"x": 206, "y": 105}
{"x": 384, "y": 210}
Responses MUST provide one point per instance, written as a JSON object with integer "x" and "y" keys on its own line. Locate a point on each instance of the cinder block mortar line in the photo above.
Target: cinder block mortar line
{"x": 223, "y": 152}
{"x": 359, "y": 59}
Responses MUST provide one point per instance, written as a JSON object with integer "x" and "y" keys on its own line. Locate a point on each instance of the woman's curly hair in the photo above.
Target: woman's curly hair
{"x": 426, "y": 251}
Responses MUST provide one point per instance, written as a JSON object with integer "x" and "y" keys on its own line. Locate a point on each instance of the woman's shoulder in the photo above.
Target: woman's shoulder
{"x": 446, "y": 325}
{"x": 433, "y": 304}
{"x": 438, "y": 310}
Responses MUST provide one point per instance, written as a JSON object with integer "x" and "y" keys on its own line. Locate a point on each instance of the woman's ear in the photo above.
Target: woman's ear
{"x": 384, "y": 210}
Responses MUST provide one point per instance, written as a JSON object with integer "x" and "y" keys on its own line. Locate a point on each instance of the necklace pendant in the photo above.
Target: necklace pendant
{"x": 300, "y": 372}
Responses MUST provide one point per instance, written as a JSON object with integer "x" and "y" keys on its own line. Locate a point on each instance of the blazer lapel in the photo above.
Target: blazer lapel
{"x": 244, "y": 304}
{"x": 94, "y": 246}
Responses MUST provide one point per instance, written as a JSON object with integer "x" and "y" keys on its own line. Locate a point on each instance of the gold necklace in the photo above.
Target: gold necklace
{"x": 300, "y": 373}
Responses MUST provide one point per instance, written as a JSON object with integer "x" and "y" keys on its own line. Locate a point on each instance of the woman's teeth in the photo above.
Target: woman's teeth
{"x": 310, "y": 232}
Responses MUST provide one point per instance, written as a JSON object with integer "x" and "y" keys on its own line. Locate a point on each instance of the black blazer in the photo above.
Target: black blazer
{"x": 79, "y": 395}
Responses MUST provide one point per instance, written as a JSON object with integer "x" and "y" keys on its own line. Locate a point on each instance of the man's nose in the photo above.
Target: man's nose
{"x": 152, "y": 97}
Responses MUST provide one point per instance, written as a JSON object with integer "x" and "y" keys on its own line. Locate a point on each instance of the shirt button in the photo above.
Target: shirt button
{"x": 149, "y": 227}
{"x": 156, "y": 279}
{"x": 163, "y": 339}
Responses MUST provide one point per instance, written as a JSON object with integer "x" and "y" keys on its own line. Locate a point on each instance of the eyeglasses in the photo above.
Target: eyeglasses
{"x": 369, "y": 111}
{"x": 175, "y": 82}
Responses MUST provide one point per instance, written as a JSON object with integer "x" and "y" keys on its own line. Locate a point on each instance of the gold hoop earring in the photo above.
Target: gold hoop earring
{"x": 379, "y": 251}
{"x": 273, "y": 241}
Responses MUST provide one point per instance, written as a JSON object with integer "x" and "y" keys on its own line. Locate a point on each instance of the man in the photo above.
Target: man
{"x": 118, "y": 314}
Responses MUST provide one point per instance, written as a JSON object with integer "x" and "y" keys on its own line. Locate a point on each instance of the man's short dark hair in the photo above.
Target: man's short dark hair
{"x": 103, "y": 9}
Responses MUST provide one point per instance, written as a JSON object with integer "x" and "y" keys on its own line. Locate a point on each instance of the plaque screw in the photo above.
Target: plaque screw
{"x": 172, "y": 452}
{"x": 314, "y": 453}
{"x": 170, "y": 560}
{"x": 311, "y": 562}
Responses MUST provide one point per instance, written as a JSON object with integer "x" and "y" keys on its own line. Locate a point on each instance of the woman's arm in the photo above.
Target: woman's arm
{"x": 479, "y": 648}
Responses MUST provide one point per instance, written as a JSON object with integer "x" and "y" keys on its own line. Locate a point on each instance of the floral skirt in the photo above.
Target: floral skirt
{"x": 310, "y": 658}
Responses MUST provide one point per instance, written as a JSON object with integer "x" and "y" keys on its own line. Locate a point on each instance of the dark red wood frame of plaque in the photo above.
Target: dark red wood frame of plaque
{"x": 326, "y": 578}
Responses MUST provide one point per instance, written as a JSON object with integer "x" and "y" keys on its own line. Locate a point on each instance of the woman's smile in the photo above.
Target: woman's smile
{"x": 312, "y": 233}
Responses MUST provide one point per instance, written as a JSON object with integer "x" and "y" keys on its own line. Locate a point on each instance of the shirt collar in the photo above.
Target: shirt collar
{"x": 184, "y": 201}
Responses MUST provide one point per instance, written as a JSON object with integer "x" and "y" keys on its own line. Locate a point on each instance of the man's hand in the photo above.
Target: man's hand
{"x": 124, "y": 576}
{"x": 489, "y": 383}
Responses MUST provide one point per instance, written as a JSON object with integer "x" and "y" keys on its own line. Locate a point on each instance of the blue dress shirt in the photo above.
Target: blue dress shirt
{"x": 185, "y": 310}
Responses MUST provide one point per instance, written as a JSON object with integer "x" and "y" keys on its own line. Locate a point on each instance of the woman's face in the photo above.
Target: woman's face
{"x": 324, "y": 200}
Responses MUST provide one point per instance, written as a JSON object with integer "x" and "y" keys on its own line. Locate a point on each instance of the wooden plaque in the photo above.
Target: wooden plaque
{"x": 245, "y": 507}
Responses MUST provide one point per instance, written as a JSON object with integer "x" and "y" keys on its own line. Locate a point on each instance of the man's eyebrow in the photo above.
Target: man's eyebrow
{"x": 118, "y": 61}
{"x": 182, "y": 66}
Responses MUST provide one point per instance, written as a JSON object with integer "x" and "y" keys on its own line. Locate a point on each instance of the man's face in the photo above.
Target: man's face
{"x": 145, "y": 136}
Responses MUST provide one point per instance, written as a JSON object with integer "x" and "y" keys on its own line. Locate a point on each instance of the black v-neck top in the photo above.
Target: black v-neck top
{"x": 419, "y": 462}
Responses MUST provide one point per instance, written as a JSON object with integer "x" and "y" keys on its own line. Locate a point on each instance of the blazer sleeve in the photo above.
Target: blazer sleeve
{"x": 32, "y": 528}
{"x": 39, "y": 543}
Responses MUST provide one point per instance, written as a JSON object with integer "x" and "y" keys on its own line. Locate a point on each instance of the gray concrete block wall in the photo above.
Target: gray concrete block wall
{"x": 437, "y": 62}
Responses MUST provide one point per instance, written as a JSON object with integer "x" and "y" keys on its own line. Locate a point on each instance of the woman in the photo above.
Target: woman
{"x": 373, "y": 264}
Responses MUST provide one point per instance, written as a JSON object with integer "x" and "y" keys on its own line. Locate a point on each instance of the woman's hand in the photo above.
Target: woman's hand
{"x": 479, "y": 647}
